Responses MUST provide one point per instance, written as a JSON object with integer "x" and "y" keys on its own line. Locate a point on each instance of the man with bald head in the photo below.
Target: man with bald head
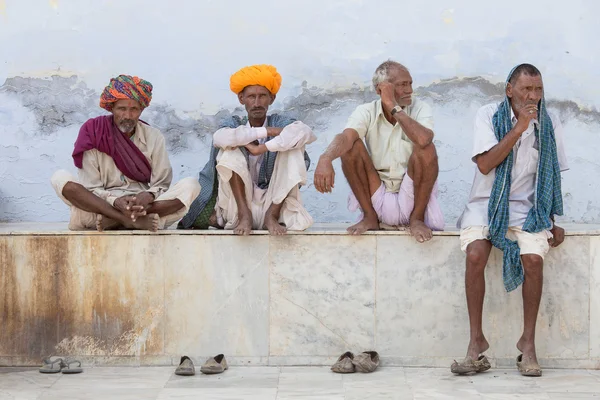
{"x": 124, "y": 169}
{"x": 257, "y": 165}
{"x": 388, "y": 158}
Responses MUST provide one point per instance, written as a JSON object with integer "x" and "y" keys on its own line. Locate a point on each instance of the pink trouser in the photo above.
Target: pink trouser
{"x": 395, "y": 208}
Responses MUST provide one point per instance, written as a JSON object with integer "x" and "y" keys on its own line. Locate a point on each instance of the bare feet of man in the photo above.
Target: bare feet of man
{"x": 148, "y": 222}
{"x": 368, "y": 223}
{"x": 103, "y": 223}
{"x": 274, "y": 227}
{"x": 420, "y": 231}
{"x": 244, "y": 227}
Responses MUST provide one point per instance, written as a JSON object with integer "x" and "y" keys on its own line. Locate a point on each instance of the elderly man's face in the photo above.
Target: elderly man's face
{"x": 526, "y": 90}
{"x": 402, "y": 82}
{"x": 257, "y": 100}
{"x": 126, "y": 114}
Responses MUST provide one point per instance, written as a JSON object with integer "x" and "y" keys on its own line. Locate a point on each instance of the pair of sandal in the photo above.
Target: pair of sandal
{"x": 57, "y": 365}
{"x": 212, "y": 366}
{"x": 348, "y": 363}
{"x": 526, "y": 368}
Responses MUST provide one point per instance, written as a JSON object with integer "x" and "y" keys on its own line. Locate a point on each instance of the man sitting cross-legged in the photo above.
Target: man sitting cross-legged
{"x": 124, "y": 169}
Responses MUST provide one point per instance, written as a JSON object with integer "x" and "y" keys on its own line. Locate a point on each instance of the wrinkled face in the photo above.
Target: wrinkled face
{"x": 402, "y": 82}
{"x": 257, "y": 100}
{"x": 126, "y": 114}
{"x": 526, "y": 90}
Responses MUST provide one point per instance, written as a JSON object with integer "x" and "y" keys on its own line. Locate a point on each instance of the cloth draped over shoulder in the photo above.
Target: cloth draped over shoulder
{"x": 101, "y": 133}
{"x": 201, "y": 209}
{"x": 547, "y": 198}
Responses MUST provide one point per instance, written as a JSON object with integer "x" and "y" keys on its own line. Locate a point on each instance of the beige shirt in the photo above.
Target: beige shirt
{"x": 388, "y": 145}
{"x": 100, "y": 174}
{"x": 524, "y": 171}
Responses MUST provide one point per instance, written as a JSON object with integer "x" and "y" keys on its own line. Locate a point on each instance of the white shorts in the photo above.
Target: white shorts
{"x": 530, "y": 243}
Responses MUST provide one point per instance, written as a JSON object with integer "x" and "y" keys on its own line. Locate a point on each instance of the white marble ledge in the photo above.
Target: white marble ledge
{"x": 60, "y": 228}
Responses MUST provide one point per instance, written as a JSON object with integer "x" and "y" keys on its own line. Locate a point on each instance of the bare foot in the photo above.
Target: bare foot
{"x": 104, "y": 224}
{"x": 99, "y": 225}
{"x": 477, "y": 347}
{"x": 212, "y": 220}
{"x": 274, "y": 227}
{"x": 244, "y": 227}
{"x": 366, "y": 224}
{"x": 148, "y": 222}
{"x": 528, "y": 350}
{"x": 420, "y": 231}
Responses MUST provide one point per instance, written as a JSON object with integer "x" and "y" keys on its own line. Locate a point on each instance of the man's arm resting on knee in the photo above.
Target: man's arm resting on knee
{"x": 324, "y": 178}
{"x": 417, "y": 133}
{"x": 228, "y": 138}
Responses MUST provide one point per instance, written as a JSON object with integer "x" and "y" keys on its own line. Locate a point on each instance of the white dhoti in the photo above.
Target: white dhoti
{"x": 186, "y": 190}
{"x": 289, "y": 172}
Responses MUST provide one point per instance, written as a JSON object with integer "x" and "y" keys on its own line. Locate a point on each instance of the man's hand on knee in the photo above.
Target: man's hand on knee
{"x": 324, "y": 178}
{"x": 558, "y": 234}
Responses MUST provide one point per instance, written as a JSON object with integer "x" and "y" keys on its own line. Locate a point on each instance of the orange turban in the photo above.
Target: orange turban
{"x": 263, "y": 75}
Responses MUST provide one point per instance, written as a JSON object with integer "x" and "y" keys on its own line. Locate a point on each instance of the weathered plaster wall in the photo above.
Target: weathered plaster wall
{"x": 56, "y": 56}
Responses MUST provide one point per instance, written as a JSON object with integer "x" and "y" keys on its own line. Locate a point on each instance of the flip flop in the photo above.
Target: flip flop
{"x": 52, "y": 366}
{"x": 67, "y": 369}
{"x": 468, "y": 365}
{"x": 186, "y": 367}
{"x": 528, "y": 368}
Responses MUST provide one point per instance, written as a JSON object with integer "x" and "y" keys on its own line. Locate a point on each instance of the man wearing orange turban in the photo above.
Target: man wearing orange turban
{"x": 124, "y": 171}
{"x": 257, "y": 165}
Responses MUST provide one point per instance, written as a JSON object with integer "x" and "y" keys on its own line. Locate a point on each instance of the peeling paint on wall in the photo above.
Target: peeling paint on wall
{"x": 40, "y": 119}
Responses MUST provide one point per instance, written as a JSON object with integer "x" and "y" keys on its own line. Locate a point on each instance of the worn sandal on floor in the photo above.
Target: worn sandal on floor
{"x": 52, "y": 366}
{"x": 528, "y": 367}
{"x": 344, "y": 364}
{"x": 468, "y": 365}
{"x": 215, "y": 365}
{"x": 186, "y": 367}
{"x": 67, "y": 369}
{"x": 366, "y": 362}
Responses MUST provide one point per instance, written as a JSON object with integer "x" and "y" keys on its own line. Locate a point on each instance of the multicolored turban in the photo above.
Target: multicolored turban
{"x": 263, "y": 75}
{"x": 126, "y": 87}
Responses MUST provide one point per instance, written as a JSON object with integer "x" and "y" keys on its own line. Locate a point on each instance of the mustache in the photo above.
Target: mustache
{"x": 257, "y": 109}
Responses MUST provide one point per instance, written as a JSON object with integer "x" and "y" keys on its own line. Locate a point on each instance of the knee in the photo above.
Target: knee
{"x": 62, "y": 181}
{"x": 230, "y": 155}
{"x": 476, "y": 258}
{"x": 354, "y": 153}
{"x": 192, "y": 185}
{"x": 427, "y": 155}
{"x": 533, "y": 264}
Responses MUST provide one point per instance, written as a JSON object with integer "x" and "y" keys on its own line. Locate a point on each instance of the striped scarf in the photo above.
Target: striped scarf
{"x": 547, "y": 199}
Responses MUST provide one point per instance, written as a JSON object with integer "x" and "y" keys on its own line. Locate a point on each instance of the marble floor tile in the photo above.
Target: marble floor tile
{"x": 21, "y": 394}
{"x": 573, "y": 396}
{"x": 218, "y": 394}
{"x": 95, "y": 393}
{"x": 323, "y": 304}
{"x": 116, "y": 378}
{"x": 241, "y": 377}
{"x": 26, "y": 379}
{"x": 516, "y": 395}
